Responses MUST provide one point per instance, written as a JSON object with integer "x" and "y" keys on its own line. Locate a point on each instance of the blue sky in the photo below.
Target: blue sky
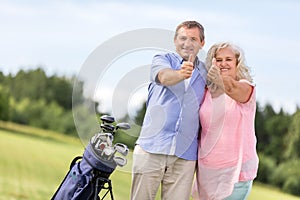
{"x": 60, "y": 35}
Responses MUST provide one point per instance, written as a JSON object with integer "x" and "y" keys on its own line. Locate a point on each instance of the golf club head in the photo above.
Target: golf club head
{"x": 121, "y": 148}
{"x": 108, "y": 151}
{"x": 106, "y": 137}
{"x": 107, "y": 119}
{"x": 123, "y": 126}
{"x": 120, "y": 161}
{"x": 94, "y": 139}
{"x": 102, "y": 137}
{"x": 102, "y": 146}
{"x": 99, "y": 147}
{"x": 107, "y": 128}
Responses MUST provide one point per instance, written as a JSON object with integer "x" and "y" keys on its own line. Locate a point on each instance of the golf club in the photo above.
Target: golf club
{"x": 123, "y": 125}
{"x": 107, "y": 151}
{"x": 107, "y": 119}
{"x": 107, "y": 128}
{"x": 120, "y": 161}
{"x": 120, "y": 148}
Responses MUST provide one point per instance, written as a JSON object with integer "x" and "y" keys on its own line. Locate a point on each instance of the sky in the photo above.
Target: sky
{"x": 62, "y": 36}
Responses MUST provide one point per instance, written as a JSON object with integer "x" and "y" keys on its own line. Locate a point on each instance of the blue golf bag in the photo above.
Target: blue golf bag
{"x": 86, "y": 178}
{"x": 89, "y": 174}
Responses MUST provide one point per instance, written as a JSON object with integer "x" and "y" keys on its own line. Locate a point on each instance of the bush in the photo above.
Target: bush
{"x": 292, "y": 185}
{"x": 266, "y": 168}
{"x": 4, "y": 104}
{"x": 41, "y": 114}
{"x": 287, "y": 177}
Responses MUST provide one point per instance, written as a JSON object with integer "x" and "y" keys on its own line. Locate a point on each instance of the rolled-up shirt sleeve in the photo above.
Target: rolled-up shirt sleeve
{"x": 159, "y": 62}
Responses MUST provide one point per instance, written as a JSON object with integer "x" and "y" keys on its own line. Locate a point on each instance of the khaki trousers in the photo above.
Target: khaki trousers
{"x": 150, "y": 170}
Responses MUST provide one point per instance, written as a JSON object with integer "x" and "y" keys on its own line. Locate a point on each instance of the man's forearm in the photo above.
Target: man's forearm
{"x": 168, "y": 77}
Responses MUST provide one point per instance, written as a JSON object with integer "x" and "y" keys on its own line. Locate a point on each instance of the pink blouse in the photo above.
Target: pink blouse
{"x": 227, "y": 149}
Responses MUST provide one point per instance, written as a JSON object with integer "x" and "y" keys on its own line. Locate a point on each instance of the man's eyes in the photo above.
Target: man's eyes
{"x": 185, "y": 38}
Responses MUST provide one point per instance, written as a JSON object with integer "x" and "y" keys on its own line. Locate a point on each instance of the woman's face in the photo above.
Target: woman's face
{"x": 227, "y": 62}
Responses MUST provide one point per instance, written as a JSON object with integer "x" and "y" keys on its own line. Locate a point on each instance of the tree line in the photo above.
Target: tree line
{"x": 33, "y": 98}
{"x": 278, "y": 145}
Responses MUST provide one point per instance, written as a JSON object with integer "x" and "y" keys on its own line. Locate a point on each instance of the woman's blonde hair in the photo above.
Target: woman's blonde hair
{"x": 243, "y": 71}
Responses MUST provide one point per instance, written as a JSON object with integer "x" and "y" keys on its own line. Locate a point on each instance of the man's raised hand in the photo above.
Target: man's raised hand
{"x": 187, "y": 67}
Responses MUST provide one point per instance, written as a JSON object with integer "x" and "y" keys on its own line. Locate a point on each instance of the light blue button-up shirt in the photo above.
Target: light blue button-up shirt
{"x": 171, "y": 123}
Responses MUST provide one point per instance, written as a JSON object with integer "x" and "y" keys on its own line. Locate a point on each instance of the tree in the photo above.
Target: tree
{"x": 31, "y": 84}
{"x": 263, "y": 135}
{"x": 292, "y": 140}
{"x": 35, "y": 85}
{"x": 59, "y": 89}
{"x": 276, "y": 129}
{"x": 4, "y": 103}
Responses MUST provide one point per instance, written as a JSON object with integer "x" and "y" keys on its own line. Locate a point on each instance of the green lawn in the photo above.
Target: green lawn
{"x": 263, "y": 192}
{"x": 32, "y": 167}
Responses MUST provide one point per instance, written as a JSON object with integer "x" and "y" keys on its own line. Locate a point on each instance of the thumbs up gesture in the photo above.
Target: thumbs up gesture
{"x": 187, "y": 67}
{"x": 214, "y": 76}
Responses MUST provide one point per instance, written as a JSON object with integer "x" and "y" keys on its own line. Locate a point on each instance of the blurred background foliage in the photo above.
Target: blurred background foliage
{"x": 35, "y": 99}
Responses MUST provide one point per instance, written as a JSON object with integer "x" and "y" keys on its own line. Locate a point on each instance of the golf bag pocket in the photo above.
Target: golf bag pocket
{"x": 80, "y": 182}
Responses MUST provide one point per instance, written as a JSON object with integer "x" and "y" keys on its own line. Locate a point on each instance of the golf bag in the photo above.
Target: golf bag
{"x": 86, "y": 178}
{"x": 89, "y": 174}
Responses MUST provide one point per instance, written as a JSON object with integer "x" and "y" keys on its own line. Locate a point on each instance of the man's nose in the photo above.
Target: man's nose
{"x": 188, "y": 42}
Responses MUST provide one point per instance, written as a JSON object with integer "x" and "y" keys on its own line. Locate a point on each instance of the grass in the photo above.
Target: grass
{"x": 32, "y": 167}
{"x": 37, "y": 132}
{"x": 264, "y": 192}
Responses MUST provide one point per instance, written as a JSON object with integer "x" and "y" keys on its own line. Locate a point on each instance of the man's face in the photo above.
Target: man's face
{"x": 188, "y": 42}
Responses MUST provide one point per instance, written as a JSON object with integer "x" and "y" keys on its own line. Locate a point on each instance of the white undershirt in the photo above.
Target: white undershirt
{"x": 187, "y": 81}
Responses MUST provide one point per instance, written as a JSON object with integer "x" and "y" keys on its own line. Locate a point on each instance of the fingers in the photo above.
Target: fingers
{"x": 187, "y": 67}
{"x": 186, "y": 70}
{"x": 213, "y": 72}
{"x": 211, "y": 75}
{"x": 214, "y": 62}
{"x": 214, "y": 75}
{"x": 214, "y": 69}
{"x": 191, "y": 58}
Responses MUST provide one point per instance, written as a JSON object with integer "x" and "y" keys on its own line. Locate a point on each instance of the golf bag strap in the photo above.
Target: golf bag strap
{"x": 74, "y": 162}
{"x": 71, "y": 165}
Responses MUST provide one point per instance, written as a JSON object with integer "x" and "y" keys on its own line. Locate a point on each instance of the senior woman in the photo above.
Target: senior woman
{"x": 227, "y": 157}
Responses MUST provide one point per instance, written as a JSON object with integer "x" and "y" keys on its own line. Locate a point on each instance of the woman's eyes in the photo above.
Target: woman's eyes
{"x": 227, "y": 59}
